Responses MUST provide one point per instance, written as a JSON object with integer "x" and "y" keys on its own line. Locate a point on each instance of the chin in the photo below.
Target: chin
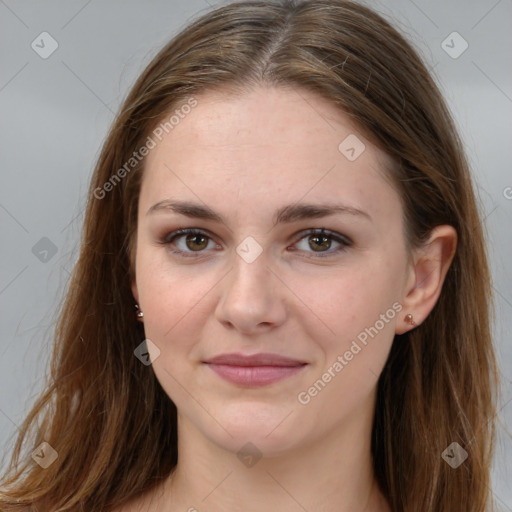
{"x": 273, "y": 430}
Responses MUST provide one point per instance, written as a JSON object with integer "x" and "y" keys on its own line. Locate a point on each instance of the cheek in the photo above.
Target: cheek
{"x": 174, "y": 302}
{"x": 345, "y": 301}
{"x": 360, "y": 310}
{"x": 360, "y": 307}
{"x": 169, "y": 295}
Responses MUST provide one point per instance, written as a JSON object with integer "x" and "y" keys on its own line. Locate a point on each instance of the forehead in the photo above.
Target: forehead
{"x": 266, "y": 146}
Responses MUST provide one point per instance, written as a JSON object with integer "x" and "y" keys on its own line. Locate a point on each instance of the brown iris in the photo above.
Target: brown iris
{"x": 326, "y": 241}
{"x": 198, "y": 242}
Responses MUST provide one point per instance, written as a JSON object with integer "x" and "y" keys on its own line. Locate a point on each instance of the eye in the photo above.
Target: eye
{"x": 321, "y": 243}
{"x": 188, "y": 241}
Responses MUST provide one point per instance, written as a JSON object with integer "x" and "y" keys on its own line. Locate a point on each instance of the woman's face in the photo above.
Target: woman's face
{"x": 256, "y": 279}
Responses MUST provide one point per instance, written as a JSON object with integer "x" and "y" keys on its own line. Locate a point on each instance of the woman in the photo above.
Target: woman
{"x": 282, "y": 295}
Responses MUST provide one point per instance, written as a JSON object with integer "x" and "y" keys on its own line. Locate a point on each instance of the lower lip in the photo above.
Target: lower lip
{"x": 254, "y": 376}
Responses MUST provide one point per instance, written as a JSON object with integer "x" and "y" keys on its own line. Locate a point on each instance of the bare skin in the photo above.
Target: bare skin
{"x": 304, "y": 296}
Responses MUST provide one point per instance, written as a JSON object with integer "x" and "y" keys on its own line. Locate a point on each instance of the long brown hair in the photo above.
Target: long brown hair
{"x": 104, "y": 412}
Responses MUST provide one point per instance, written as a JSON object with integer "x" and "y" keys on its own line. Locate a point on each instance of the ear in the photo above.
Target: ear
{"x": 429, "y": 266}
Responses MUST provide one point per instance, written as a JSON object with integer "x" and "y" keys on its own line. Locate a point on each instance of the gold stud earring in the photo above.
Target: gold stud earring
{"x": 409, "y": 319}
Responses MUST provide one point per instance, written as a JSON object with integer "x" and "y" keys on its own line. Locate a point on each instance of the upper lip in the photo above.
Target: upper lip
{"x": 263, "y": 359}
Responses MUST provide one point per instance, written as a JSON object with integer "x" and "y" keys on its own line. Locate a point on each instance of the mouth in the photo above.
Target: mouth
{"x": 254, "y": 370}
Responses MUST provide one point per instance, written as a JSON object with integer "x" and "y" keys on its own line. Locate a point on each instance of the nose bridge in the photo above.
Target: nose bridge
{"x": 250, "y": 295}
{"x": 250, "y": 279}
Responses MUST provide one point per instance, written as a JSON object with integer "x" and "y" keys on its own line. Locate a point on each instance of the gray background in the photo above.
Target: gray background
{"x": 55, "y": 113}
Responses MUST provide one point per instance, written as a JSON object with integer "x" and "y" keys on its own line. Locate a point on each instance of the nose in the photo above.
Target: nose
{"x": 253, "y": 299}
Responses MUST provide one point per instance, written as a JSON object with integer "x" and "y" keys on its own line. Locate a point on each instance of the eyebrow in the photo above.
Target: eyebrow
{"x": 286, "y": 214}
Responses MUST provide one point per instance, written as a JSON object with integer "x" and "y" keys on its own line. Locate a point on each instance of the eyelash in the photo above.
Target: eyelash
{"x": 336, "y": 237}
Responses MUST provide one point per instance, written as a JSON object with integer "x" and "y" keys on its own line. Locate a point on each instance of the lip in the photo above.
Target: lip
{"x": 254, "y": 370}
